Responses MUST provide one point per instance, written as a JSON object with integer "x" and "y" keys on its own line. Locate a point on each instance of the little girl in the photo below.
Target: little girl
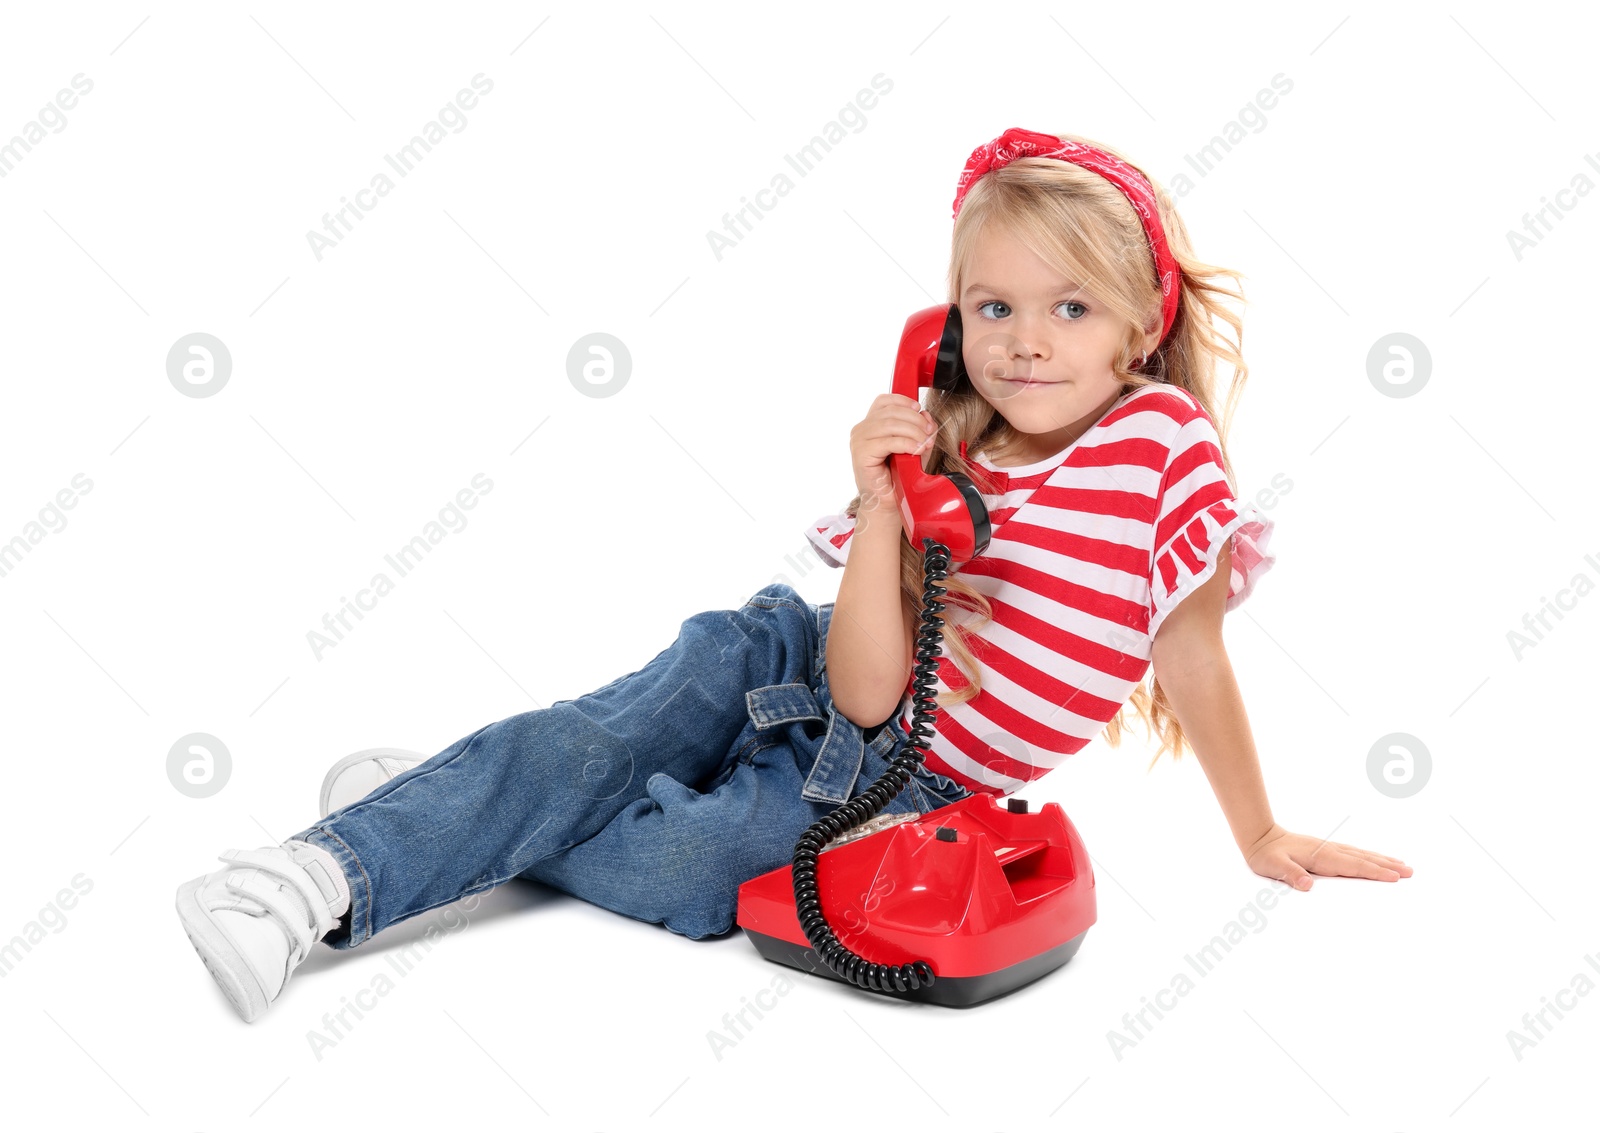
{"x": 1086, "y": 420}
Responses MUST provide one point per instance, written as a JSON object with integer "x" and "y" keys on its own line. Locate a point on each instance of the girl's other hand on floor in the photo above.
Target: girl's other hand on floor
{"x": 1293, "y": 858}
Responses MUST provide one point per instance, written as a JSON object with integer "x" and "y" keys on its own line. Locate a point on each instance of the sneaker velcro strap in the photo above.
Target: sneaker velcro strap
{"x": 275, "y": 863}
{"x": 261, "y": 888}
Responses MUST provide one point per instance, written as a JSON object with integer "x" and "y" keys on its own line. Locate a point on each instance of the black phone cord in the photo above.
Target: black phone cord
{"x": 840, "y": 959}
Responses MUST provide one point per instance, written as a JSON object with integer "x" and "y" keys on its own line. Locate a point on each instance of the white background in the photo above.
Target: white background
{"x": 430, "y": 344}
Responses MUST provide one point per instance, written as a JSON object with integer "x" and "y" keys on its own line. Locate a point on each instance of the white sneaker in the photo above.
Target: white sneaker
{"x": 356, "y": 776}
{"x": 254, "y": 921}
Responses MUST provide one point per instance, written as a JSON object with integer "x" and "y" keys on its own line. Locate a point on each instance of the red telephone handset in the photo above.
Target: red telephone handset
{"x": 945, "y": 507}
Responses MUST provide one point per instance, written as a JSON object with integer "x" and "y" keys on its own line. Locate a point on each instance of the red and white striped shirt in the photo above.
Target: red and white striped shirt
{"x": 1089, "y": 550}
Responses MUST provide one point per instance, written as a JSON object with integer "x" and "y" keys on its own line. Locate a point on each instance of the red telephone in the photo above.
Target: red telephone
{"x": 946, "y": 508}
{"x": 972, "y": 900}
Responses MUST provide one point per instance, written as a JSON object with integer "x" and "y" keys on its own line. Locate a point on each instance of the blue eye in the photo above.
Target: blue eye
{"x": 1063, "y": 303}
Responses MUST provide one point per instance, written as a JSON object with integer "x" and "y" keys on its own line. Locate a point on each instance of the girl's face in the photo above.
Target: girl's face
{"x": 1037, "y": 347}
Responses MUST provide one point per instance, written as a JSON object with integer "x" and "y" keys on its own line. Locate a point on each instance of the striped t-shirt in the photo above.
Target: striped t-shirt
{"x": 1090, "y": 549}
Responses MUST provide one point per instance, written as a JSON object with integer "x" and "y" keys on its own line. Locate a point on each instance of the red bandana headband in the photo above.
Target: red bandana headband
{"x": 1016, "y": 142}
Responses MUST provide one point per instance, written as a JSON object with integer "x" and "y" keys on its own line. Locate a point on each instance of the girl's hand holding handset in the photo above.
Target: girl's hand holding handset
{"x": 894, "y": 424}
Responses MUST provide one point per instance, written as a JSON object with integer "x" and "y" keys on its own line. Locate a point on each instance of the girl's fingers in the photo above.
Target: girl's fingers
{"x": 1372, "y": 854}
{"x": 1391, "y": 865}
{"x": 1343, "y": 864}
{"x": 1353, "y": 866}
{"x": 1294, "y": 876}
{"x": 920, "y": 426}
{"x": 911, "y": 436}
{"x": 1377, "y": 871}
{"x": 920, "y": 418}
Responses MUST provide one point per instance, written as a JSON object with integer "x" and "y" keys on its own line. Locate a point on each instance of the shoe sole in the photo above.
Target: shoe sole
{"x": 359, "y": 757}
{"x": 217, "y": 953}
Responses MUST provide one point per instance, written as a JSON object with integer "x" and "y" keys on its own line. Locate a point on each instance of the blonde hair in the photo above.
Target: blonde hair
{"x": 1083, "y": 226}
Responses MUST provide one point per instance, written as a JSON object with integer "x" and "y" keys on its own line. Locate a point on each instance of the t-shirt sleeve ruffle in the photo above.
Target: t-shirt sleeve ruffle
{"x": 1197, "y": 511}
{"x": 1189, "y": 558}
{"x": 829, "y": 536}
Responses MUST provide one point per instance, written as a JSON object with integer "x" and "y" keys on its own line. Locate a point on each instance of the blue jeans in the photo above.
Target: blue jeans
{"x": 655, "y": 796}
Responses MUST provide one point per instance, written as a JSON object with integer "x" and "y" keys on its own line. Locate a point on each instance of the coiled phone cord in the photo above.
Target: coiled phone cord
{"x": 840, "y": 959}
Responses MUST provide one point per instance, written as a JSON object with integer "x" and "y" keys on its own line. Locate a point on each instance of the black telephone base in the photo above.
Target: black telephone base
{"x": 947, "y": 991}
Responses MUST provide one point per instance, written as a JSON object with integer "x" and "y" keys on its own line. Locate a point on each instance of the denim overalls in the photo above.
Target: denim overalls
{"x": 655, "y": 796}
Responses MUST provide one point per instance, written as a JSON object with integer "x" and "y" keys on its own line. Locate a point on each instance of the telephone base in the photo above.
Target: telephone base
{"x": 988, "y": 897}
{"x": 947, "y": 991}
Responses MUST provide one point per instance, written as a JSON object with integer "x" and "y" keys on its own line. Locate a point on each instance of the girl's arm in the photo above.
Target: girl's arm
{"x": 869, "y": 646}
{"x": 1192, "y": 666}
